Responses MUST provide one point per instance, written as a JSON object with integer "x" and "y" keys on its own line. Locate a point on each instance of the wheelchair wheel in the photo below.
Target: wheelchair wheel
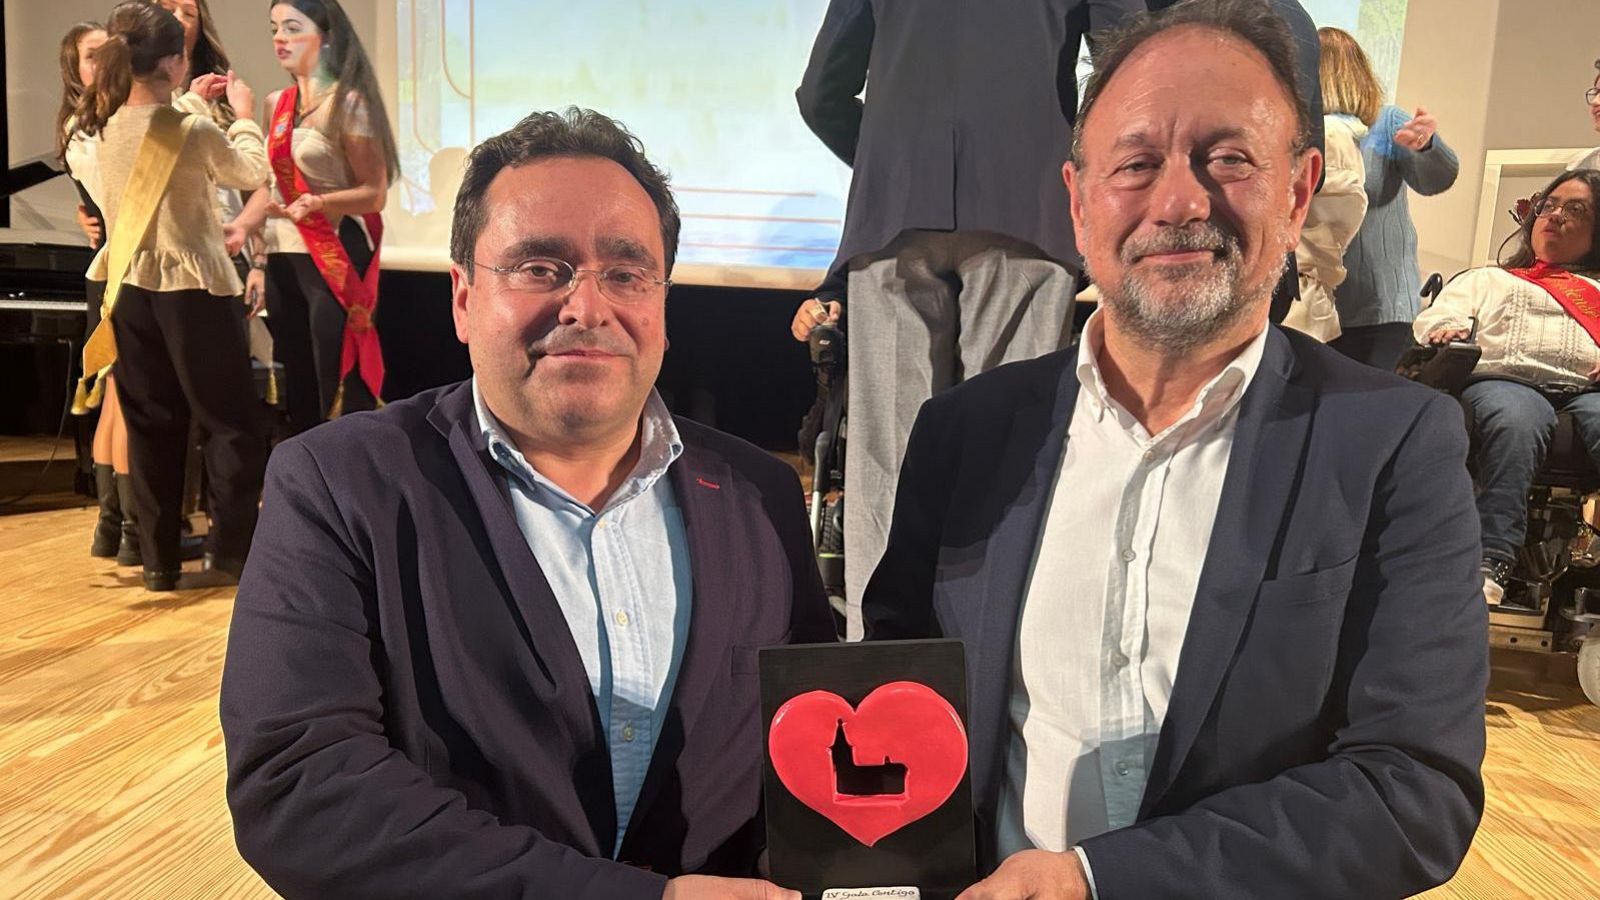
{"x": 1589, "y": 667}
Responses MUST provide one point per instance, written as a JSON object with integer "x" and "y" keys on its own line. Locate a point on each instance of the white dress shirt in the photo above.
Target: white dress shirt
{"x": 1107, "y": 605}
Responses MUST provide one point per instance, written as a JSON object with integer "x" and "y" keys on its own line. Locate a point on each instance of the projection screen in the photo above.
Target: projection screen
{"x": 708, "y": 85}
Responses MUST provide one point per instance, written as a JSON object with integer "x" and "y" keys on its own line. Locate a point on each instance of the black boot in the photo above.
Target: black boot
{"x": 128, "y": 551}
{"x": 108, "y": 530}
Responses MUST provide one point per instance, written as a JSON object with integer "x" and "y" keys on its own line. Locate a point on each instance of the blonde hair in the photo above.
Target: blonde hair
{"x": 1348, "y": 84}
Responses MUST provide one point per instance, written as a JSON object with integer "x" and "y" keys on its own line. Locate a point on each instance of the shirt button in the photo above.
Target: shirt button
{"x": 627, "y": 734}
{"x": 622, "y": 617}
{"x": 1118, "y": 659}
{"x": 1128, "y": 555}
{"x": 1122, "y": 768}
{"x": 1149, "y": 456}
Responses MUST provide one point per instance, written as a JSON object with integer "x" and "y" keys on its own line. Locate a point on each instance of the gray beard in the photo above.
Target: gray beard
{"x": 1216, "y": 302}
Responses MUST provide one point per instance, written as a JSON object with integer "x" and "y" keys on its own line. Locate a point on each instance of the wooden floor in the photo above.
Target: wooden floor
{"x": 112, "y": 761}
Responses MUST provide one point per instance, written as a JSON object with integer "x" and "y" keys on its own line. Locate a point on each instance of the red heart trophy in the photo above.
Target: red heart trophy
{"x": 903, "y": 723}
{"x": 867, "y": 792}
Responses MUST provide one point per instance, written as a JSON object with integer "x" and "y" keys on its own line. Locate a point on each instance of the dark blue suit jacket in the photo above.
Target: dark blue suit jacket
{"x": 406, "y": 713}
{"x": 968, "y": 120}
{"x": 1327, "y": 724}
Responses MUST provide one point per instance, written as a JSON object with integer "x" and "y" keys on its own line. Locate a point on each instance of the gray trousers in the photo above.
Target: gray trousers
{"x": 930, "y": 310}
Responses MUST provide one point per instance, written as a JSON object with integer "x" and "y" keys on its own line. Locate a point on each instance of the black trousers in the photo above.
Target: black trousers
{"x": 181, "y": 356}
{"x": 307, "y": 325}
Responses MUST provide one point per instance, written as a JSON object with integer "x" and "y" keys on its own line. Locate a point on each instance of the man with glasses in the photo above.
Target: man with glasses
{"x": 498, "y": 640}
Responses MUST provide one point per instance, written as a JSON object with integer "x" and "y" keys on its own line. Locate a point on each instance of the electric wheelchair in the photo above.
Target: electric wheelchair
{"x": 1552, "y": 603}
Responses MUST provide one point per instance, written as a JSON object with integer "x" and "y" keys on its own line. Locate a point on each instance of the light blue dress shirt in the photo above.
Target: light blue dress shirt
{"x": 621, "y": 575}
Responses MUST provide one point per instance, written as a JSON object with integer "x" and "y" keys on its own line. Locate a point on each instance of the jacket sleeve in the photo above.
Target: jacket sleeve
{"x": 323, "y": 805}
{"x": 1392, "y": 810}
{"x": 830, "y": 91}
{"x": 898, "y": 602}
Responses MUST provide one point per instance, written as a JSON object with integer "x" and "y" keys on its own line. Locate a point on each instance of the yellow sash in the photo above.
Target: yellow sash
{"x": 141, "y": 198}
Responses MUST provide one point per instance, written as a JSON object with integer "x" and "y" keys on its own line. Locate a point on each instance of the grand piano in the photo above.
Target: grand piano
{"x": 43, "y": 315}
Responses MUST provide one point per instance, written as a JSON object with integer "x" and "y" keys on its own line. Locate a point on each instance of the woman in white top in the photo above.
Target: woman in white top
{"x": 180, "y": 349}
{"x": 1538, "y": 343}
{"x": 340, "y": 141}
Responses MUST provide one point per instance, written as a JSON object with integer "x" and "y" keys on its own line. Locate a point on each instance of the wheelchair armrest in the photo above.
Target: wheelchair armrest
{"x": 1445, "y": 367}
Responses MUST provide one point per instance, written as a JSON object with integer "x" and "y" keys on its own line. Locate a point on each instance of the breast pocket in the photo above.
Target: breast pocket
{"x": 1308, "y": 588}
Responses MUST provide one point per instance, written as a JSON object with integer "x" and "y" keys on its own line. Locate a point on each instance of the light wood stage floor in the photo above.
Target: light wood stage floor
{"x": 113, "y": 760}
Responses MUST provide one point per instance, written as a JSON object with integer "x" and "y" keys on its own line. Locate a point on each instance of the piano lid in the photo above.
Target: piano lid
{"x": 42, "y": 263}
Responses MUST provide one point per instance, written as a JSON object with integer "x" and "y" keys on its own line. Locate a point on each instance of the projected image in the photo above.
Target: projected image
{"x": 708, "y": 85}
{"x": 709, "y": 88}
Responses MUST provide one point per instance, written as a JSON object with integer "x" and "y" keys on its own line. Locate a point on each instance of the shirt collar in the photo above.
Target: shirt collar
{"x": 659, "y": 446}
{"x": 1215, "y": 400}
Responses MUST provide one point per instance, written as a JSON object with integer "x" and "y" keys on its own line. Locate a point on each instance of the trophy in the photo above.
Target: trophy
{"x": 866, "y": 780}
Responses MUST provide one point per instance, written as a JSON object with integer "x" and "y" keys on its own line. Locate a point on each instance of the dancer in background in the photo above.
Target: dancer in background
{"x": 116, "y": 530}
{"x": 1380, "y": 294}
{"x": 177, "y": 344}
{"x": 333, "y": 156}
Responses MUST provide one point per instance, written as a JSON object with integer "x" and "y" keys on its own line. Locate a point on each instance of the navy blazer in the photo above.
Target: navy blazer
{"x": 1326, "y": 726}
{"x": 969, "y": 118}
{"x": 406, "y": 713}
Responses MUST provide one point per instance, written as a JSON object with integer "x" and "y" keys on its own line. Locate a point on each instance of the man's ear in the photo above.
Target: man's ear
{"x": 460, "y": 294}
{"x": 1302, "y": 187}
{"x": 1074, "y": 181}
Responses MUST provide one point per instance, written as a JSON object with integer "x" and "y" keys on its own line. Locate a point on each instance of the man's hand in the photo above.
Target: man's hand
{"x": 1417, "y": 134}
{"x": 1594, "y": 372}
{"x": 704, "y": 887}
{"x": 1441, "y": 336}
{"x": 812, "y": 313}
{"x": 1033, "y": 875}
{"x": 91, "y": 227}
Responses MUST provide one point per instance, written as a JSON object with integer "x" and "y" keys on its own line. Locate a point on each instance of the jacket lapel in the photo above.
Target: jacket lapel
{"x": 1268, "y": 449}
{"x": 1034, "y": 446}
{"x": 544, "y": 626}
{"x": 703, "y": 487}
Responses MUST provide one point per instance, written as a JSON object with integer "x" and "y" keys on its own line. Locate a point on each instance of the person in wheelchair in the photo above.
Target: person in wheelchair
{"x": 1538, "y": 324}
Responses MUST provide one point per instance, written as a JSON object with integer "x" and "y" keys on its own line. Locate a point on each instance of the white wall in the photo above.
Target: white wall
{"x": 1499, "y": 74}
{"x": 33, "y": 34}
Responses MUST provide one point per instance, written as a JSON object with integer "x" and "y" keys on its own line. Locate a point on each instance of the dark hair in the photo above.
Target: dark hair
{"x": 573, "y": 132}
{"x": 343, "y": 57}
{"x": 72, "y": 86}
{"x": 1523, "y": 257}
{"x": 1252, "y": 21}
{"x": 208, "y": 58}
{"x": 139, "y": 36}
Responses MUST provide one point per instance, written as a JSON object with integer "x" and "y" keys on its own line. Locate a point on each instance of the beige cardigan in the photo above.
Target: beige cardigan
{"x": 183, "y": 249}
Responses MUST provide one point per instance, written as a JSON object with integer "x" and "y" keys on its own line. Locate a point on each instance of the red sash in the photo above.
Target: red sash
{"x": 1578, "y": 296}
{"x": 358, "y": 296}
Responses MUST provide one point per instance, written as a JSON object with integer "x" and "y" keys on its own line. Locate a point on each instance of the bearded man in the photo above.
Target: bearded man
{"x": 1218, "y": 585}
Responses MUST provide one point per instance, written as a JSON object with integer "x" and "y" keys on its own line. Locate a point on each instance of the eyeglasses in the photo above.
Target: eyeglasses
{"x": 1590, "y": 94}
{"x": 1576, "y": 210}
{"x": 621, "y": 284}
